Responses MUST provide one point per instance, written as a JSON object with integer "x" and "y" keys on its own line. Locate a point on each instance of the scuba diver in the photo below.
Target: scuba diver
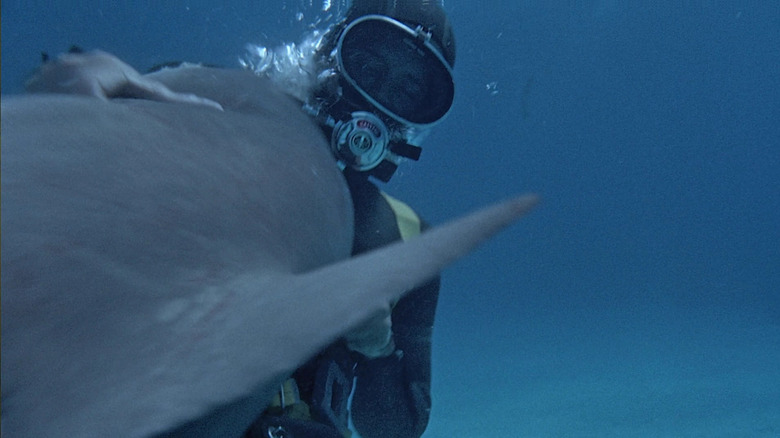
{"x": 378, "y": 81}
{"x": 383, "y": 79}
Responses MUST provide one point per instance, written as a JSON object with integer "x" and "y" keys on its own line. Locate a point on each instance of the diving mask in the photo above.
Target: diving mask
{"x": 394, "y": 85}
{"x": 396, "y": 69}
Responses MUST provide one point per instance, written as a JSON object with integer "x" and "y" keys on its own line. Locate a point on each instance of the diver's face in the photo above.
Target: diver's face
{"x": 387, "y": 74}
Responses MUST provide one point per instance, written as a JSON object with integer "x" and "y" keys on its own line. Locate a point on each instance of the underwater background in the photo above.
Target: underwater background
{"x": 642, "y": 298}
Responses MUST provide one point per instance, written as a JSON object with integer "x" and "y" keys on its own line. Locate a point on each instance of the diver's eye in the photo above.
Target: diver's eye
{"x": 413, "y": 86}
{"x": 404, "y": 93}
{"x": 372, "y": 73}
{"x": 367, "y": 69}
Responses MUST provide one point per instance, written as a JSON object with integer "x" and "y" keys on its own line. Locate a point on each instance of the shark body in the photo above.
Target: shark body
{"x": 166, "y": 266}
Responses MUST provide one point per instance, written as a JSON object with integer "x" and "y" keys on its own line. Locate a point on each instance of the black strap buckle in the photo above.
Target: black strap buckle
{"x": 276, "y": 432}
{"x": 331, "y": 396}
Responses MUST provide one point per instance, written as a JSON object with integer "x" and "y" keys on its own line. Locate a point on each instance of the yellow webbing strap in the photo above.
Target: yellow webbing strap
{"x": 288, "y": 402}
{"x": 288, "y": 395}
{"x": 407, "y": 219}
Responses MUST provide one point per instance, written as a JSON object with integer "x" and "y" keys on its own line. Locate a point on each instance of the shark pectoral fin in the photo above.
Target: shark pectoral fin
{"x": 205, "y": 365}
{"x": 307, "y": 312}
{"x": 340, "y": 297}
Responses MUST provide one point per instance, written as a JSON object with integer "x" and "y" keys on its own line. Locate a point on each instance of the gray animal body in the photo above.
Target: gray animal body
{"x": 166, "y": 266}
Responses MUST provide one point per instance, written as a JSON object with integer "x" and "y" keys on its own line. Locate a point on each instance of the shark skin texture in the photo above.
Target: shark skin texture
{"x": 165, "y": 266}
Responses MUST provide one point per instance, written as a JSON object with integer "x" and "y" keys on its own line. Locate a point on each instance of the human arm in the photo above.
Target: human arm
{"x": 392, "y": 395}
{"x": 103, "y": 75}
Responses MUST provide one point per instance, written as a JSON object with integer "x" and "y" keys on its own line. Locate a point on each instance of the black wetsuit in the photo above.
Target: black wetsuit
{"x": 392, "y": 394}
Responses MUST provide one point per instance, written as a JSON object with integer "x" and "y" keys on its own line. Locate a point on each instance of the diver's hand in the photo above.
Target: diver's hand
{"x": 374, "y": 338}
{"x": 104, "y": 76}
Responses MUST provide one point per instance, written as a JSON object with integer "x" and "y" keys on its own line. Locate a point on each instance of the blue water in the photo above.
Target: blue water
{"x": 643, "y": 297}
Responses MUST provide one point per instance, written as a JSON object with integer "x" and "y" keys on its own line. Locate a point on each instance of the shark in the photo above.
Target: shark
{"x": 166, "y": 266}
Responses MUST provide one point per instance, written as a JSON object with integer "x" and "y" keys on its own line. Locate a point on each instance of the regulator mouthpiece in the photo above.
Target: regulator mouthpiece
{"x": 361, "y": 142}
